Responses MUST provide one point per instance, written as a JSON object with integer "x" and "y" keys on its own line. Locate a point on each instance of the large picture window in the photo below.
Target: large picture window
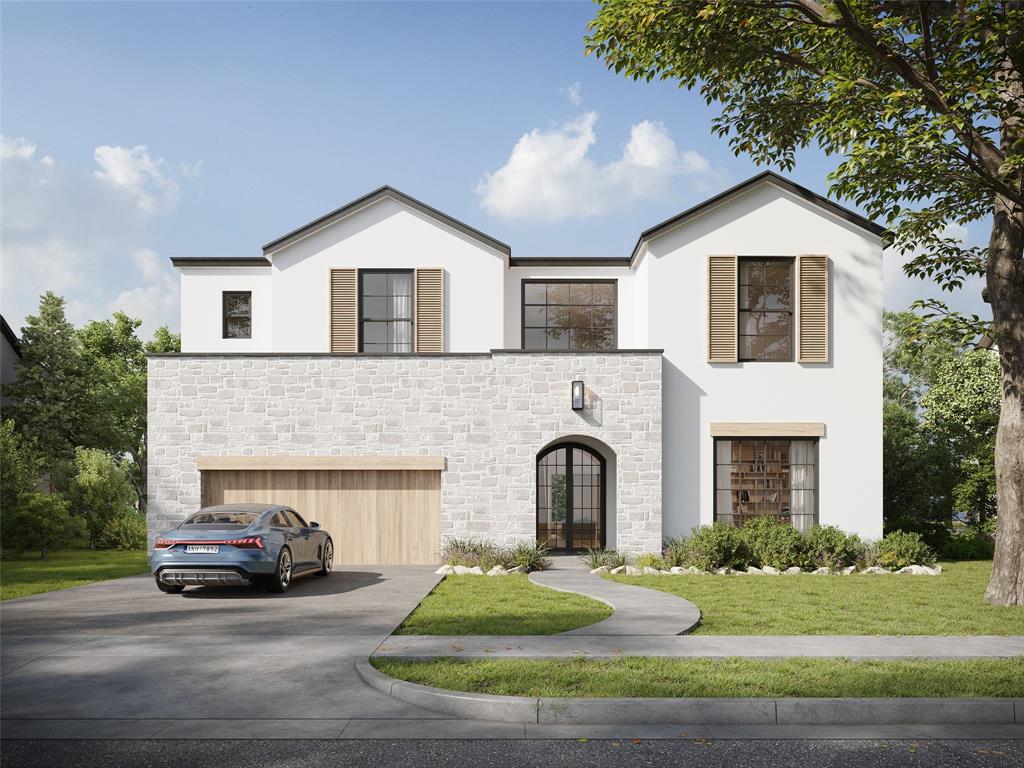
{"x": 236, "y": 309}
{"x": 571, "y": 315}
{"x": 774, "y": 477}
{"x": 765, "y": 309}
{"x": 385, "y": 310}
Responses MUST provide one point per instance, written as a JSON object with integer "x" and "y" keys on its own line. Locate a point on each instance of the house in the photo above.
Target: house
{"x": 10, "y": 357}
{"x": 401, "y": 377}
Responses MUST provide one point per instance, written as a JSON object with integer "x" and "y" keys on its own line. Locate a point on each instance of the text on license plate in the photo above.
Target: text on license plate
{"x": 202, "y": 549}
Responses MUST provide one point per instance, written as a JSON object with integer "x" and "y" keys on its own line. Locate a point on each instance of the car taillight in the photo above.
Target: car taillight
{"x": 252, "y": 542}
{"x": 163, "y": 544}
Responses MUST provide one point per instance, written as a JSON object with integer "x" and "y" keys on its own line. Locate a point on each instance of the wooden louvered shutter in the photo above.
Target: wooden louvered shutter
{"x": 430, "y": 310}
{"x": 722, "y": 297}
{"x": 344, "y": 306}
{"x": 813, "y": 298}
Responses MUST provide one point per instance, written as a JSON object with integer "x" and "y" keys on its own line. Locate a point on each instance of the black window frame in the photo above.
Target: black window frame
{"x": 791, "y": 260}
{"x": 569, "y": 281}
{"x": 412, "y": 307}
{"x": 762, "y": 438}
{"x": 224, "y": 313}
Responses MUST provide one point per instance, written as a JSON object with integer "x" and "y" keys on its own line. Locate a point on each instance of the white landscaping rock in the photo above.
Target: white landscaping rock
{"x": 648, "y": 571}
{"x": 847, "y": 570}
{"x": 618, "y": 569}
{"x": 497, "y": 571}
{"x": 792, "y": 571}
{"x": 462, "y": 570}
{"x": 445, "y": 570}
{"x": 723, "y": 571}
{"x": 677, "y": 569}
{"x": 476, "y": 570}
{"x": 823, "y": 571}
{"x": 753, "y": 570}
{"x": 517, "y": 569}
{"x": 874, "y": 569}
{"x": 632, "y": 570}
{"x": 601, "y": 569}
{"x": 919, "y": 570}
{"x": 769, "y": 570}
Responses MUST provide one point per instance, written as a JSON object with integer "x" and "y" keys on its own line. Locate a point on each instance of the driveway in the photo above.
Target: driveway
{"x": 122, "y": 659}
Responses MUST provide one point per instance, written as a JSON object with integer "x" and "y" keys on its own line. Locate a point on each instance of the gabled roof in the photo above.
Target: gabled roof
{"x": 379, "y": 194}
{"x": 770, "y": 176}
{"x": 11, "y": 337}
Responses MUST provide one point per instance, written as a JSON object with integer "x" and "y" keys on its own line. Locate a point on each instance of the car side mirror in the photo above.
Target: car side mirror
{"x": 314, "y": 524}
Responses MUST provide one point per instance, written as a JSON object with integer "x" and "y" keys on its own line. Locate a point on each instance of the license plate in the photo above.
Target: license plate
{"x": 202, "y": 549}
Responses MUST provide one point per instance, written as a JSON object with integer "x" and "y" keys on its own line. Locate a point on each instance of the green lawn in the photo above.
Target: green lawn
{"x": 732, "y": 677}
{"x": 22, "y": 575}
{"x": 500, "y": 605}
{"x": 950, "y": 604}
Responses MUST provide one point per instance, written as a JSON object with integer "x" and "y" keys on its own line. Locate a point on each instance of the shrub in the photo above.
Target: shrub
{"x": 900, "y": 549}
{"x": 125, "y": 530}
{"x": 40, "y": 521}
{"x": 972, "y": 542}
{"x": 674, "y": 551}
{"x": 829, "y": 547}
{"x": 530, "y": 555}
{"x": 711, "y": 547}
{"x": 100, "y": 489}
{"x": 473, "y": 552}
{"x": 775, "y": 543}
{"x": 650, "y": 560}
{"x": 595, "y": 558}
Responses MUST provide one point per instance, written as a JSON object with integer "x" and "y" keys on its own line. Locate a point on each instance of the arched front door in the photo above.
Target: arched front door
{"x": 570, "y": 498}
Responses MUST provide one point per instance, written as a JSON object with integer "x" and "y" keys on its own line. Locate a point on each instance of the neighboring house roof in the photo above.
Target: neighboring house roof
{"x": 774, "y": 178}
{"x": 220, "y": 261}
{"x": 379, "y": 194}
{"x": 9, "y": 334}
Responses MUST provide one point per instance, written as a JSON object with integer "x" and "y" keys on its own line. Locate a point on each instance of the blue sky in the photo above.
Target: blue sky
{"x": 135, "y": 132}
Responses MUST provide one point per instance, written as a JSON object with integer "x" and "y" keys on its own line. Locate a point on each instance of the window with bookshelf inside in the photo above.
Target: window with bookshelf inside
{"x": 755, "y": 477}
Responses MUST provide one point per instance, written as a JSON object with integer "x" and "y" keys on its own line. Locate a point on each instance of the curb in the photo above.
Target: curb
{"x": 714, "y": 711}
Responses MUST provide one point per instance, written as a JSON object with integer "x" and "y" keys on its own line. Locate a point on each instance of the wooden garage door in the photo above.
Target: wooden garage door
{"x": 383, "y": 516}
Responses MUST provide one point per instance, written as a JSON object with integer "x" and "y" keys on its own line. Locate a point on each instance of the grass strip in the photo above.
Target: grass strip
{"x": 23, "y": 575}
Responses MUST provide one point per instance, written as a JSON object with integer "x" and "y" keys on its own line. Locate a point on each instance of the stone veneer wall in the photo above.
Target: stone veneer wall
{"x": 487, "y": 414}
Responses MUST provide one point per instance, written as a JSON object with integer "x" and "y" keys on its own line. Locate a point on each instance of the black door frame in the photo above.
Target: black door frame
{"x": 569, "y": 491}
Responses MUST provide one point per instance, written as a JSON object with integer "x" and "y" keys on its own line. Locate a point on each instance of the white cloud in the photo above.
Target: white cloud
{"x": 138, "y": 174}
{"x": 16, "y": 149}
{"x": 575, "y": 94}
{"x": 551, "y": 176}
{"x": 86, "y": 234}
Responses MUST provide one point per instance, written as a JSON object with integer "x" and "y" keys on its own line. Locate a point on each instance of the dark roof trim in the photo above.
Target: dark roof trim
{"x": 406, "y": 355}
{"x": 569, "y": 261}
{"x": 790, "y": 186}
{"x": 218, "y": 261}
{"x": 370, "y": 199}
{"x": 11, "y": 337}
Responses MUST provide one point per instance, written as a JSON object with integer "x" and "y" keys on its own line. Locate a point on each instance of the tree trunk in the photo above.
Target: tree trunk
{"x": 1005, "y": 280}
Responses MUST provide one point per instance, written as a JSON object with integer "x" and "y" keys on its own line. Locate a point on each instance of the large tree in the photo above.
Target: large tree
{"x": 924, "y": 101}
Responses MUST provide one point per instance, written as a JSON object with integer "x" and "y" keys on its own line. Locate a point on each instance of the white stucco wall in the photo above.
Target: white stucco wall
{"x": 388, "y": 235}
{"x": 202, "y": 323}
{"x": 845, "y": 394}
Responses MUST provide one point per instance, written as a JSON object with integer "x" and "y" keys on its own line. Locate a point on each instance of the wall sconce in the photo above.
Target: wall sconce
{"x": 577, "y": 395}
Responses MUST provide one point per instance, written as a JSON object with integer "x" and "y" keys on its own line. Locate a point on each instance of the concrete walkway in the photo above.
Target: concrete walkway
{"x": 702, "y": 646}
{"x": 638, "y": 610}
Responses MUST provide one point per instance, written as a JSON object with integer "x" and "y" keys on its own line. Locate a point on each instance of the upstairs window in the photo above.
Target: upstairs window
{"x": 237, "y": 314}
{"x": 569, "y": 314}
{"x": 385, "y": 310}
{"x": 765, "y": 309}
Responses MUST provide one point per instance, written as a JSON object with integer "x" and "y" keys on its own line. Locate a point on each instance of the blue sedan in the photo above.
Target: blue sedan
{"x": 239, "y": 544}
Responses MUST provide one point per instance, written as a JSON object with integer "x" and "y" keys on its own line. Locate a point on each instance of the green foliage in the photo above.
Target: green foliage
{"x": 125, "y": 530}
{"x": 912, "y": 358}
{"x": 164, "y": 341}
{"x": 529, "y": 555}
{"x": 775, "y": 543}
{"x": 971, "y": 542}
{"x": 673, "y": 549}
{"x": 41, "y": 522}
{"x": 711, "y": 547}
{"x": 651, "y": 560}
{"x": 828, "y": 547}
{"x": 486, "y": 554}
{"x": 19, "y": 465}
{"x": 902, "y": 548}
{"x": 51, "y": 401}
{"x": 100, "y": 490}
{"x": 595, "y": 558}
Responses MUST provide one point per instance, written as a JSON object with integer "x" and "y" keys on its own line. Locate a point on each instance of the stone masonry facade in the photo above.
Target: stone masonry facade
{"x": 487, "y": 414}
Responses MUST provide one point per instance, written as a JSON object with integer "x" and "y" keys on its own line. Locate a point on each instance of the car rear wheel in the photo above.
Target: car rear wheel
{"x": 327, "y": 562}
{"x": 170, "y": 589}
{"x": 282, "y": 577}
